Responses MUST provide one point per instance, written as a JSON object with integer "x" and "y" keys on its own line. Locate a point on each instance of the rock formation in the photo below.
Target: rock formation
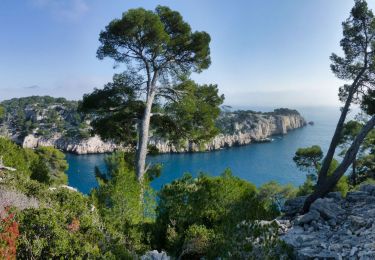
{"x": 253, "y": 128}
{"x": 334, "y": 228}
{"x": 46, "y": 121}
{"x": 73, "y": 145}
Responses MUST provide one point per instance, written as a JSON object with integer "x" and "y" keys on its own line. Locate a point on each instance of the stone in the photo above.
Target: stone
{"x": 370, "y": 189}
{"x": 357, "y": 222}
{"x": 353, "y": 251}
{"x": 334, "y": 195}
{"x": 355, "y": 196}
{"x": 155, "y": 255}
{"x": 293, "y": 206}
{"x": 348, "y": 231}
{"x": 312, "y": 215}
{"x": 14, "y": 198}
{"x": 256, "y": 127}
{"x": 327, "y": 208}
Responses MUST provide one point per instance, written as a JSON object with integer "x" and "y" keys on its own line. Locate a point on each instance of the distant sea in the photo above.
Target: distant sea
{"x": 257, "y": 163}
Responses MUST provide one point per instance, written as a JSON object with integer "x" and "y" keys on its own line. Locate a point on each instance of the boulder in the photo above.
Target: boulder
{"x": 293, "y": 206}
{"x": 309, "y": 217}
{"x": 327, "y": 208}
{"x": 344, "y": 230}
{"x": 370, "y": 189}
{"x": 155, "y": 255}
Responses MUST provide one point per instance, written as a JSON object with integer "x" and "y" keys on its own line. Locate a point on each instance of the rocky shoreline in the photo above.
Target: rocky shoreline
{"x": 334, "y": 228}
{"x": 262, "y": 130}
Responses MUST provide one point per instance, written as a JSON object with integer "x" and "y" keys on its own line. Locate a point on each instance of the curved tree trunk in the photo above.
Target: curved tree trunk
{"x": 143, "y": 134}
{"x": 323, "y": 188}
{"x": 339, "y": 127}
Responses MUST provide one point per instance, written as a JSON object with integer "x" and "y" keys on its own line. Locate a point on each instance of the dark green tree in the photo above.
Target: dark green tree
{"x": 49, "y": 166}
{"x": 357, "y": 66}
{"x": 197, "y": 217}
{"x": 158, "y": 49}
{"x": 2, "y": 113}
{"x": 363, "y": 165}
{"x": 310, "y": 160}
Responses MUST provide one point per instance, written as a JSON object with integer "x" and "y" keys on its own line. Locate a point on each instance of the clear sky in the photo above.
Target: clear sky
{"x": 264, "y": 52}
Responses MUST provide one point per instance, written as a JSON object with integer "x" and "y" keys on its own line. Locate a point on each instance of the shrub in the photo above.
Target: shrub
{"x": 8, "y": 234}
{"x": 207, "y": 207}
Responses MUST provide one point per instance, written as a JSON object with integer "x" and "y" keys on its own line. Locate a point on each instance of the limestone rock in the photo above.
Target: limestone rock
{"x": 256, "y": 128}
{"x": 327, "y": 208}
{"x": 345, "y": 231}
{"x": 14, "y": 198}
{"x": 309, "y": 217}
{"x": 293, "y": 206}
{"x": 155, "y": 255}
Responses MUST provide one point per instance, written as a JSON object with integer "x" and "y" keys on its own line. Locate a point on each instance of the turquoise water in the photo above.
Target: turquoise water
{"x": 257, "y": 163}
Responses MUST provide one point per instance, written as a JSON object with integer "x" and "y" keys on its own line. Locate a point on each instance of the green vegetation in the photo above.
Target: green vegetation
{"x": 363, "y": 165}
{"x": 50, "y": 166}
{"x": 44, "y": 116}
{"x": 199, "y": 217}
{"x": 189, "y": 217}
{"x": 203, "y": 217}
{"x": 356, "y": 66}
{"x": 160, "y": 51}
{"x": 309, "y": 160}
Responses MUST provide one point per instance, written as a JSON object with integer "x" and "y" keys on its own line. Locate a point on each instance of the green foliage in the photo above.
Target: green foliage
{"x": 193, "y": 117}
{"x": 2, "y": 113}
{"x": 159, "y": 51}
{"x": 257, "y": 240}
{"x": 55, "y": 164}
{"x": 119, "y": 205}
{"x": 307, "y": 187}
{"x": 116, "y": 109}
{"x": 309, "y": 160}
{"x": 358, "y": 44}
{"x": 274, "y": 194}
{"x": 67, "y": 228}
{"x": 363, "y": 167}
{"x": 208, "y": 207}
{"x": 16, "y": 157}
{"x": 161, "y": 35}
{"x": 43, "y": 115}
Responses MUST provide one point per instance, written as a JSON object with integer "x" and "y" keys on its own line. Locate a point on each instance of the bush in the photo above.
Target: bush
{"x": 66, "y": 229}
{"x": 207, "y": 207}
{"x": 8, "y": 234}
{"x": 118, "y": 200}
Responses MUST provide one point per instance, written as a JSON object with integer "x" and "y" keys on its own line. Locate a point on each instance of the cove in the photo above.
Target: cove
{"x": 257, "y": 162}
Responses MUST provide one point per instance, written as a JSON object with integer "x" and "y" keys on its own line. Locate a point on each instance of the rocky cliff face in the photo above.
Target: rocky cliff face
{"x": 254, "y": 127}
{"x": 334, "y": 228}
{"x": 46, "y": 121}
{"x": 78, "y": 146}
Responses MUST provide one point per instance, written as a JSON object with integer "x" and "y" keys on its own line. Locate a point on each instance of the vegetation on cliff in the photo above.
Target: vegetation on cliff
{"x": 42, "y": 116}
{"x": 358, "y": 67}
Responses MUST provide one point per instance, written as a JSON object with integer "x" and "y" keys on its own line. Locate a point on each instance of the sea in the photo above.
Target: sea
{"x": 257, "y": 163}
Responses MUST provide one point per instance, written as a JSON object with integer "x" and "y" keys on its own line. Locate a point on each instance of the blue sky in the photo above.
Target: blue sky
{"x": 264, "y": 52}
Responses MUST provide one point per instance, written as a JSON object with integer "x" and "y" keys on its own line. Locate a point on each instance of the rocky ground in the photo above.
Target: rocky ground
{"x": 334, "y": 228}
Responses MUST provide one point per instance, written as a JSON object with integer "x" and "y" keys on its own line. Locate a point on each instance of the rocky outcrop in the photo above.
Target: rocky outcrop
{"x": 335, "y": 227}
{"x": 155, "y": 255}
{"x": 14, "y": 198}
{"x": 237, "y": 128}
{"x": 79, "y": 146}
{"x": 255, "y": 128}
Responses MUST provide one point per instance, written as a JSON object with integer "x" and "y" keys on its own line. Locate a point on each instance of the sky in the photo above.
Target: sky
{"x": 264, "y": 52}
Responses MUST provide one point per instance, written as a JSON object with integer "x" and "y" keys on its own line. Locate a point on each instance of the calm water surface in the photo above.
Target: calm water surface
{"x": 257, "y": 163}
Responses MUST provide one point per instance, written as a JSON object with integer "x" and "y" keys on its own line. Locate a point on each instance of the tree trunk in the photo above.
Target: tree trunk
{"x": 340, "y": 124}
{"x": 323, "y": 188}
{"x": 143, "y": 133}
